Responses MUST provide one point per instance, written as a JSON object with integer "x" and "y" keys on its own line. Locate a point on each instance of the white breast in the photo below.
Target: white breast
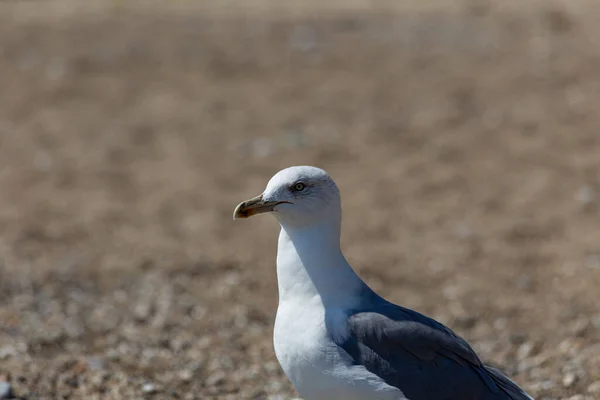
{"x": 316, "y": 366}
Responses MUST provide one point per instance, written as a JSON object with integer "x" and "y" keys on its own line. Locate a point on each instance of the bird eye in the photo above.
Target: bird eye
{"x": 298, "y": 187}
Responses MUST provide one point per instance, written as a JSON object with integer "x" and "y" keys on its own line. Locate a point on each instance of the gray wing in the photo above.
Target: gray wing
{"x": 422, "y": 358}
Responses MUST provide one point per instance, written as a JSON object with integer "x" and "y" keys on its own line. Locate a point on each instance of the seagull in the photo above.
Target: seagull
{"x": 334, "y": 337}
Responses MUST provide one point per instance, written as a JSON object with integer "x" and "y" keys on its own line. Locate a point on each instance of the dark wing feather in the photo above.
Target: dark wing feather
{"x": 422, "y": 357}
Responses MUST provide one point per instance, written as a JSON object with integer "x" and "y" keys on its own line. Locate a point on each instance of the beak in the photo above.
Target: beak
{"x": 253, "y": 206}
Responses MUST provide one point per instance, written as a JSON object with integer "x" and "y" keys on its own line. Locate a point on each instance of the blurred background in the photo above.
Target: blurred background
{"x": 464, "y": 135}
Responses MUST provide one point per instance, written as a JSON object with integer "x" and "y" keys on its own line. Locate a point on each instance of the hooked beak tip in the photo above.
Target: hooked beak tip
{"x": 253, "y": 206}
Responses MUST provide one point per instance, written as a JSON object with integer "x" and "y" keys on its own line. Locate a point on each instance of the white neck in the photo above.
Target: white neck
{"x": 310, "y": 264}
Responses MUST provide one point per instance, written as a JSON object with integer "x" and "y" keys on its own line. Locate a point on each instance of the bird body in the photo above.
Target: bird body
{"x": 308, "y": 321}
{"x": 334, "y": 337}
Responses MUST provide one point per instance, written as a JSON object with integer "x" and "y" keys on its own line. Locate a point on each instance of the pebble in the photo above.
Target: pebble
{"x": 5, "y": 390}
{"x": 304, "y": 38}
{"x": 263, "y": 147}
{"x": 271, "y": 366}
{"x": 594, "y": 387}
{"x": 580, "y": 327}
{"x": 7, "y": 351}
{"x": 542, "y": 385}
{"x": 586, "y": 195}
{"x": 275, "y": 386}
{"x": 593, "y": 261}
{"x": 215, "y": 378}
{"x": 149, "y": 388}
{"x": 95, "y": 363}
{"x": 596, "y": 321}
{"x": 277, "y": 397}
{"x": 186, "y": 375}
{"x": 524, "y": 282}
{"x": 569, "y": 379}
{"x": 525, "y": 350}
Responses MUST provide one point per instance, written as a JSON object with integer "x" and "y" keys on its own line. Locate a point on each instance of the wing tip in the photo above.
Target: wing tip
{"x": 505, "y": 384}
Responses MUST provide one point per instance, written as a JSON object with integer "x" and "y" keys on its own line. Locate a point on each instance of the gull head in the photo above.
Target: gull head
{"x": 297, "y": 196}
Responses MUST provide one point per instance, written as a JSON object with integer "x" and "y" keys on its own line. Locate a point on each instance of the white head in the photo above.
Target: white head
{"x": 298, "y": 197}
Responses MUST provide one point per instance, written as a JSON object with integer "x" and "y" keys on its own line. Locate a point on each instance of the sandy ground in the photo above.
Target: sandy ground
{"x": 465, "y": 137}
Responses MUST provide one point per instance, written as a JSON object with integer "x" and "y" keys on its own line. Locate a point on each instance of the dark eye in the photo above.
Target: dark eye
{"x": 298, "y": 187}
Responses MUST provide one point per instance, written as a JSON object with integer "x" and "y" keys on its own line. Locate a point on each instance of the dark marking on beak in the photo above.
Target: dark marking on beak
{"x": 253, "y": 206}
